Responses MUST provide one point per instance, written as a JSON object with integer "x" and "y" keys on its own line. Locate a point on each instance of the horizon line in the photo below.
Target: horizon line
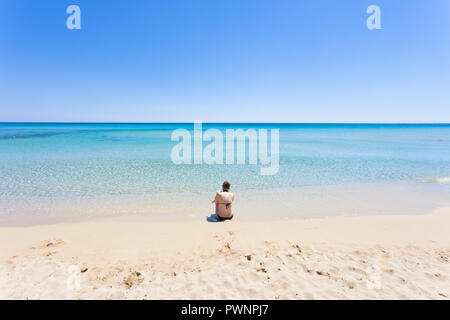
{"x": 212, "y": 122}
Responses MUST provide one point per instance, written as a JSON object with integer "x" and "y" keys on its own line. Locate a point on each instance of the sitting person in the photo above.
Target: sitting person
{"x": 223, "y": 202}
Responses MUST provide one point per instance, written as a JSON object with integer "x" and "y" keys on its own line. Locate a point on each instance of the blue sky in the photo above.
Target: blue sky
{"x": 225, "y": 61}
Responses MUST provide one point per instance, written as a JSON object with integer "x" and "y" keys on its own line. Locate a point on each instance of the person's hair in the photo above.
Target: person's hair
{"x": 226, "y": 185}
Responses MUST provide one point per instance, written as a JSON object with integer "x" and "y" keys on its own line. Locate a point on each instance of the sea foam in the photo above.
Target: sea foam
{"x": 442, "y": 180}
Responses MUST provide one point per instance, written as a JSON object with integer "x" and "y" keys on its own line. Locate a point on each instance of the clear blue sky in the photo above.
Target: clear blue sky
{"x": 225, "y": 61}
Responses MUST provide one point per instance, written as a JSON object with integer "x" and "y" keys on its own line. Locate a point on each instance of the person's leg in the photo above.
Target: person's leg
{"x": 219, "y": 218}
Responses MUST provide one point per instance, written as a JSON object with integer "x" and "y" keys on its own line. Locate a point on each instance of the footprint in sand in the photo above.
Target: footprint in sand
{"x": 49, "y": 244}
{"x": 133, "y": 279}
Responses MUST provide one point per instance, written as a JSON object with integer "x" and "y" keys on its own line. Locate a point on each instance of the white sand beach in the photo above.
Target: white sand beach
{"x": 383, "y": 257}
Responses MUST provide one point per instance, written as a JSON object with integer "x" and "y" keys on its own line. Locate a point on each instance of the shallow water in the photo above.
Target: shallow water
{"x": 56, "y": 172}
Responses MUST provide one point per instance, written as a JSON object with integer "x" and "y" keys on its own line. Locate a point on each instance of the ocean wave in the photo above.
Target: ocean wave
{"x": 442, "y": 180}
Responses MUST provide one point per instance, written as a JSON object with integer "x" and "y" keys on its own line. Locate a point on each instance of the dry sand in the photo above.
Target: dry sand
{"x": 384, "y": 257}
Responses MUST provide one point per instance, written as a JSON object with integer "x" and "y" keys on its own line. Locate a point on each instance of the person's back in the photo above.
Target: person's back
{"x": 224, "y": 200}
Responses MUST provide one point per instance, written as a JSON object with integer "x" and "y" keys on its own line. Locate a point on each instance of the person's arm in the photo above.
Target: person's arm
{"x": 215, "y": 199}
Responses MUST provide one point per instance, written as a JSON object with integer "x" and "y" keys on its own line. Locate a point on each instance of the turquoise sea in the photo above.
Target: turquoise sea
{"x": 52, "y": 172}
